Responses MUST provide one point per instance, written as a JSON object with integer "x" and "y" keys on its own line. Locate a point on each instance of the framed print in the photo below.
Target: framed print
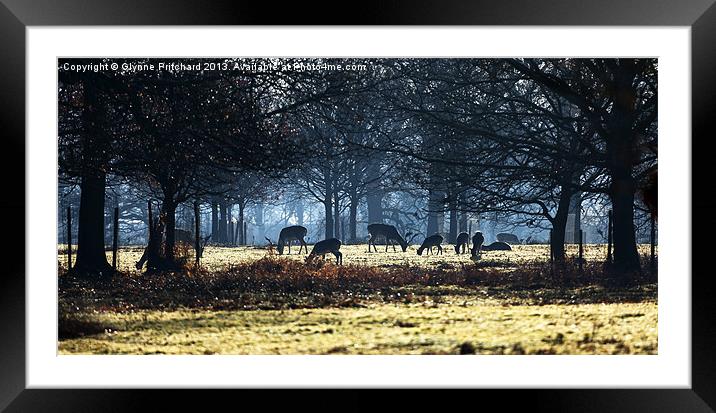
{"x": 436, "y": 196}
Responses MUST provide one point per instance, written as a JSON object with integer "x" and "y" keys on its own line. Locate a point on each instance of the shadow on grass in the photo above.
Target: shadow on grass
{"x": 75, "y": 325}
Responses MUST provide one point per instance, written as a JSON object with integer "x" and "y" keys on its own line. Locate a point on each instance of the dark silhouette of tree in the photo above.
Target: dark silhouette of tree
{"x": 87, "y": 137}
{"x": 618, "y": 97}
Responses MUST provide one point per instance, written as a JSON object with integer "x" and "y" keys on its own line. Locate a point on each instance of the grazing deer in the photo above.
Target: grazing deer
{"x": 332, "y": 245}
{"x": 290, "y": 234}
{"x": 497, "y": 246}
{"x": 430, "y": 242}
{"x": 507, "y": 237}
{"x": 389, "y": 233}
{"x": 477, "y": 241}
{"x": 181, "y": 236}
{"x": 462, "y": 241}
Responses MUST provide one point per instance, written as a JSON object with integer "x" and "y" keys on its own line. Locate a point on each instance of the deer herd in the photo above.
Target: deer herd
{"x": 377, "y": 232}
{"x": 390, "y": 236}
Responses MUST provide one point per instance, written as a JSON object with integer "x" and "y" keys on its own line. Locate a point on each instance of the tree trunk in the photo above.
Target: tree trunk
{"x": 91, "y": 258}
{"x": 107, "y": 225}
{"x": 374, "y": 197}
{"x": 169, "y": 213}
{"x": 434, "y": 205}
{"x": 452, "y": 236}
{"x": 299, "y": 211}
{"x": 191, "y": 218}
{"x": 197, "y": 234}
{"x": 375, "y": 207}
{"x": 68, "y": 237}
{"x": 626, "y": 255}
{"x": 462, "y": 222}
{"x": 242, "y": 241}
{"x": 230, "y": 224}
{"x": 328, "y": 206}
{"x": 336, "y": 211}
{"x": 260, "y": 227}
{"x": 115, "y": 238}
{"x": 214, "y": 221}
{"x": 353, "y": 218}
{"x": 222, "y": 222}
{"x": 621, "y": 156}
{"x": 147, "y": 222}
{"x": 154, "y": 241}
{"x": 559, "y": 225}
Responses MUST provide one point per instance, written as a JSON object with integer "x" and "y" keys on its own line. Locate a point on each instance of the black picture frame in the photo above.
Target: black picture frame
{"x": 16, "y": 15}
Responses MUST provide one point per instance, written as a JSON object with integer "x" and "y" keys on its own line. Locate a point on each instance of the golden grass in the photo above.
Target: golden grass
{"x": 457, "y": 324}
{"x": 220, "y": 258}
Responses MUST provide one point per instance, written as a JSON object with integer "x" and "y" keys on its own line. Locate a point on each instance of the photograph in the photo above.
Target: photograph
{"x": 357, "y": 205}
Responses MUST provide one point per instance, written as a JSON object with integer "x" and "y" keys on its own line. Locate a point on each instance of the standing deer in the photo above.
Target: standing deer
{"x": 290, "y": 234}
{"x": 389, "y": 233}
{"x": 430, "y": 242}
{"x": 332, "y": 245}
{"x": 477, "y": 241}
{"x": 181, "y": 237}
{"x": 462, "y": 241}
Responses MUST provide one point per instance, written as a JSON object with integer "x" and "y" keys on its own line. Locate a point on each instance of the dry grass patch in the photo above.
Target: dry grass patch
{"x": 456, "y": 326}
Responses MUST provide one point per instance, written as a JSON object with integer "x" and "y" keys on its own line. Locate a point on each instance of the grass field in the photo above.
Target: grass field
{"x": 453, "y": 327}
{"x": 219, "y": 258}
{"x": 247, "y": 301}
